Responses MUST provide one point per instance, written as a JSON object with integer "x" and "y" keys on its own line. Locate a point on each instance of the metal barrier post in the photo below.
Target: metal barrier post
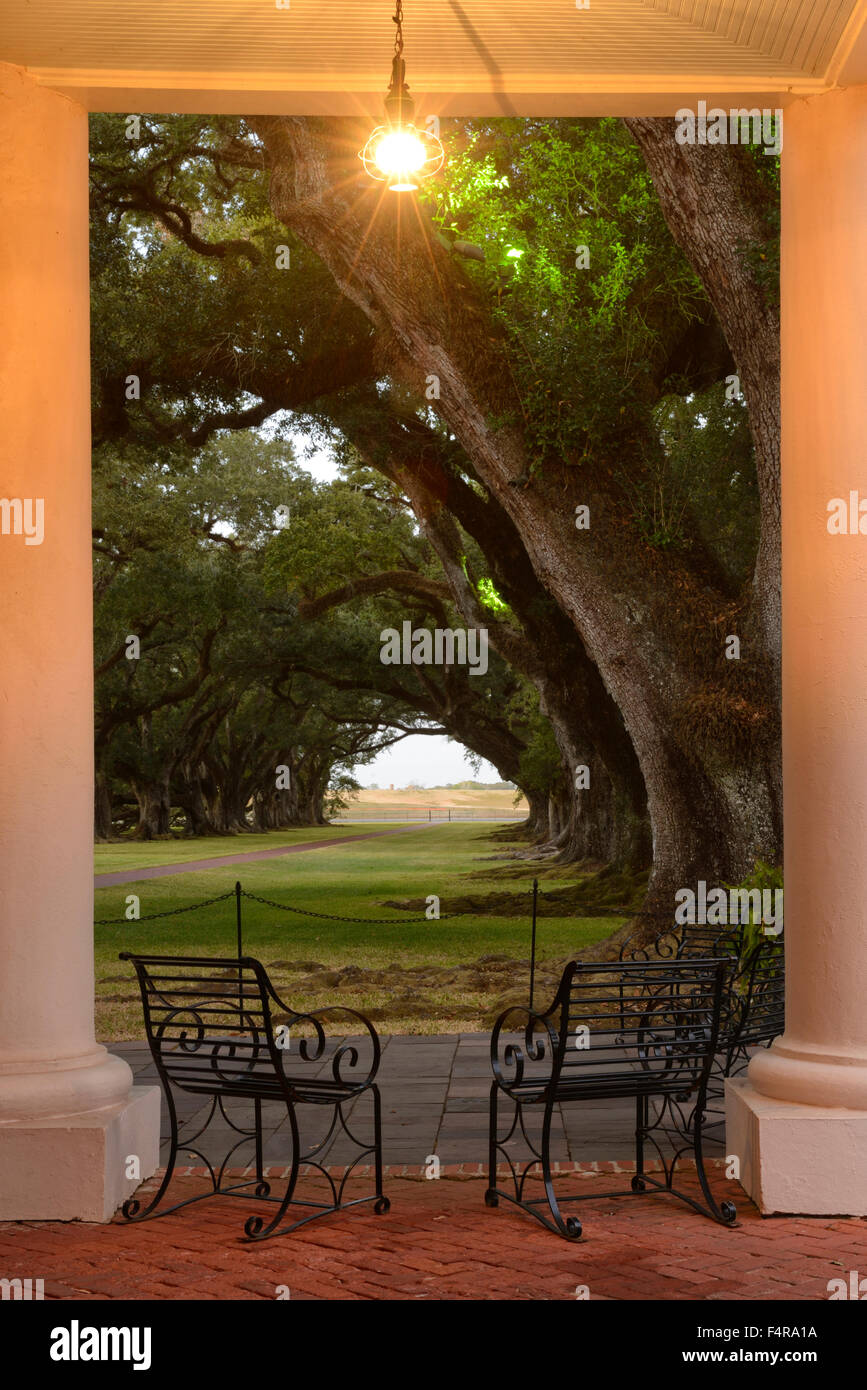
{"x": 533, "y": 941}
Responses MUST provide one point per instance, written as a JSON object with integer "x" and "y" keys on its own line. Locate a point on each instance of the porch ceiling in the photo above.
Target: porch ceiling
{"x": 463, "y": 56}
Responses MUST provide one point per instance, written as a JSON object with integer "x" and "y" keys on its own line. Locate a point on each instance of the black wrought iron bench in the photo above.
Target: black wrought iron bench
{"x": 754, "y": 1008}
{"x": 652, "y": 1038}
{"x": 211, "y": 1030}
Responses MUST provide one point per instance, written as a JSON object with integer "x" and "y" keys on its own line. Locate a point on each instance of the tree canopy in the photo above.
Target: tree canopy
{"x": 551, "y": 384}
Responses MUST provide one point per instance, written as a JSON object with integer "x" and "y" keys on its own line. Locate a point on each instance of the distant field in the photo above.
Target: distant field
{"x": 416, "y": 797}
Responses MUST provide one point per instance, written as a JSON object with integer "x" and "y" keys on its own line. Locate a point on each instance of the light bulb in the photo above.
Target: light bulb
{"x": 400, "y": 154}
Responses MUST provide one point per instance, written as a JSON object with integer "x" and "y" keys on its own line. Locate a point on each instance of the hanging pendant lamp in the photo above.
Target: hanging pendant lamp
{"x": 397, "y": 153}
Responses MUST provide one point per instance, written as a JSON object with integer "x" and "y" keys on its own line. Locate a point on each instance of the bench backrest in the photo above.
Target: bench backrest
{"x": 663, "y": 1016}
{"x": 759, "y": 996}
{"x": 208, "y": 1023}
{"x": 693, "y": 940}
{"x": 700, "y": 940}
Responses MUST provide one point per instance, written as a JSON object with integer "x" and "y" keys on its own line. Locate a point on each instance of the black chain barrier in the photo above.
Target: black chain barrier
{"x": 359, "y": 921}
{"x": 267, "y": 902}
{"x": 332, "y": 917}
{"x": 170, "y": 912}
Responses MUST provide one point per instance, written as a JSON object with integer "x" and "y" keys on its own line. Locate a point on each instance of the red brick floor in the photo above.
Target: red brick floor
{"x": 440, "y": 1242}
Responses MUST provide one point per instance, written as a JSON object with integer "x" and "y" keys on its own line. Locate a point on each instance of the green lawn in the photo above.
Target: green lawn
{"x": 422, "y": 977}
{"x": 141, "y": 854}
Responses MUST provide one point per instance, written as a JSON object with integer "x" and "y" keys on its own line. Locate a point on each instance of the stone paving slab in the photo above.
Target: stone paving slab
{"x": 434, "y": 1102}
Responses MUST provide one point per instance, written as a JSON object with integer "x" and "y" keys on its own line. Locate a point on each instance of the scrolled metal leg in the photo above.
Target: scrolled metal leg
{"x": 254, "y": 1226}
{"x": 263, "y": 1188}
{"x": 382, "y": 1205}
{"x": 132, "y": 1208}
{"x": 568, "y": 1226}
{"x": 491, "y": 1198}
{"x": 725, "y": 1212}
{"x": 638, "y": 1182}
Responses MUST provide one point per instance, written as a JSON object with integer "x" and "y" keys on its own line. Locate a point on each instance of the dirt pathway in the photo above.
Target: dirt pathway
{"x": 196, "y": 865}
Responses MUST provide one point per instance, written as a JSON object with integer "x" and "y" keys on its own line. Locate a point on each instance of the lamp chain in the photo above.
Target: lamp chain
{"x": 398, "y": 20}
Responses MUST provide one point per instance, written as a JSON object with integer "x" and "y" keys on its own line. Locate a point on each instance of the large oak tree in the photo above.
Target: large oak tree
{"x": 654, "y": 621}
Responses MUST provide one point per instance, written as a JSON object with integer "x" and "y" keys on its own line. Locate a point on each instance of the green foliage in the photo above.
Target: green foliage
{"x": 222, "y": 680}
{"x": 339, "y": 531}
{"x": 765, "y": 877}
{"x": 209, "y": 327}
{"x": 489, "y": 597}
{"x": 187, "y": 295}
{"x": 541, "y": 767}
{"x": 763, "y": 255}
{"x": 530, "y": 193}
{"x": 701, "y": 487}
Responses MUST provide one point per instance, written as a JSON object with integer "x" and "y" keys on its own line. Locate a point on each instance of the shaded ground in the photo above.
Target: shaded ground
{"x": 590, "y": 890}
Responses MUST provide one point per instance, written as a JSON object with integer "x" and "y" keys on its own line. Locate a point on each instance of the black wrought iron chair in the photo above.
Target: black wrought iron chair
{"x": 757, "y": 1013}
{"x": 654, "y": 1039}
{"x": 754, "y": 1008}
{"x": 212, "y": 1032}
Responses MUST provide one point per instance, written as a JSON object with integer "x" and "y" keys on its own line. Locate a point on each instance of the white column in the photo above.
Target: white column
{"x": 799, "y": 1123}
{"x": 69, "y": 1116}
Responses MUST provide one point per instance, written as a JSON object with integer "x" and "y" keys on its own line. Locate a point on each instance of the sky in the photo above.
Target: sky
{"x": 432, "y": 760}
{"x": 319, "y": 465}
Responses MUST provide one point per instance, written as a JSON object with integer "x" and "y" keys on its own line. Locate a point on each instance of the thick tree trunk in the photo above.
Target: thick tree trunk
{"x": 262, "y": 811}
{"x": 607, "y": 819}
{"x": 271, "y": 810}
{"x": 102, "y": 806}
{"x": 716, "y": 209}
{"x": 197, "y": 804}
{"x": 558, "y": 819}
{"x": 546, "y": 649}
{"x": 603, "y": 826}
{"x": 235, "y": 801}
{"x": 314, "y": 806}
{"x": 537, "y": 819}
{"x": 155, "y": 809}
{"x": 650, "y": 625}
{"x": 302, "y": 803}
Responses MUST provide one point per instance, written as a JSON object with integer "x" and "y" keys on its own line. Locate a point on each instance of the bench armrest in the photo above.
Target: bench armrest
{"x": 512, "y": 1056}
{"x": 348, "y": 1054}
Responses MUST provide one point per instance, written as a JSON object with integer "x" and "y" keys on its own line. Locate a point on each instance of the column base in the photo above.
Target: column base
{"x": 74, "y": 1169}
{"x": 804, "y": 1160}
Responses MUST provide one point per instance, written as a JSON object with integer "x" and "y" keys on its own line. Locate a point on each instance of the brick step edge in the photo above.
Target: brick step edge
{"x": 456, "y": 1171}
